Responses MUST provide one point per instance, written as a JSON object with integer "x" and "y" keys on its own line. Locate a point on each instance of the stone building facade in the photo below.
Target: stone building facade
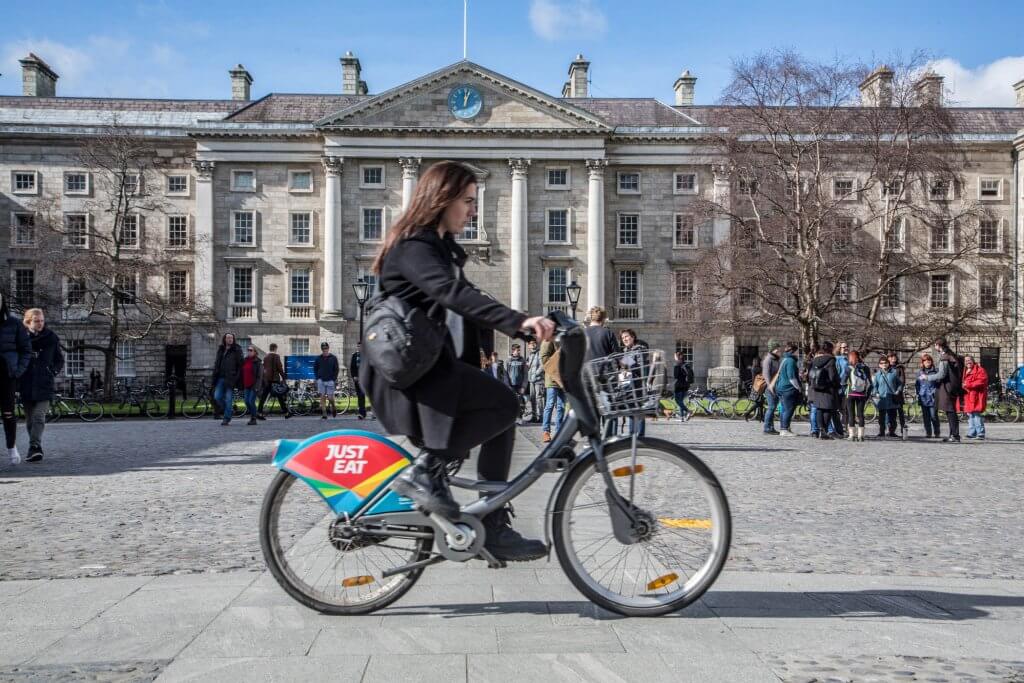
{"x": 284, "y": 200}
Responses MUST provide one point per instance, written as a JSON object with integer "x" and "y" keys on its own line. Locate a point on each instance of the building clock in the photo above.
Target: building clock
{"x": 465, "y": 102}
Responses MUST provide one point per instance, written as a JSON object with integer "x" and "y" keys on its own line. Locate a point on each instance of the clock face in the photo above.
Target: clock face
{"x": 465, "y": 102}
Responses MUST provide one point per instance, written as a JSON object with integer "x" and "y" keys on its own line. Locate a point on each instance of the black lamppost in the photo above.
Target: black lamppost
{"x": 362, "y": 291}
{"x": 573, "y": 292}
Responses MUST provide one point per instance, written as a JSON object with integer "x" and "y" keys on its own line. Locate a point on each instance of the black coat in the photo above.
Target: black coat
{"x": 825, "y": 400}
{"x": 601, "y": 342}
{"x": 945, "y": 394}
{"x": 681, "y": 377}
{"x": 228, "y": 366}
{"x": 419, "y": 270}
{"x": 15, "y": 346}
{"x": 47, "y": 362}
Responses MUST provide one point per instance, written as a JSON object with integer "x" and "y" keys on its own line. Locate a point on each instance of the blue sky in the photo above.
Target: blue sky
{"x": 184, "y": 48}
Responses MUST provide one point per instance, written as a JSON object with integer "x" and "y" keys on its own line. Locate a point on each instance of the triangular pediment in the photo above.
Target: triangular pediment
{"x": 423, "y": 105}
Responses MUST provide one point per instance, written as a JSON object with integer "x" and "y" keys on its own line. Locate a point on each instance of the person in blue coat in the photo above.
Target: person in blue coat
{"x": 887, "y": 386}
{"x": 787, "y": 387}
{"x": 15, "y": 354}
{"x": 925, "y": 386}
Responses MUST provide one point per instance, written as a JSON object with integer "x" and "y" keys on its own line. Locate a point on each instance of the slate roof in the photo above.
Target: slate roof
{"x": 289, "y": 107}
{"x": 100, "y": 110}
{"x": 645, "y": 111}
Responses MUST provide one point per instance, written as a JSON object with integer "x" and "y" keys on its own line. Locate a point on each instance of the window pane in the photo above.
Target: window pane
{"x": 125, "y": 360}
{"x": 629, "y": 182}
{"x": 130, "y": 231}
{"x": 628, "y": 287}
{"x": 302, "y": 180}
{"x": 24, "y": 228}
{"x": 177, "y": 231}
{"x": 74, "y": 360}
{"x": 988, "y": 293}
{"x": 300, "y": 287}
{"x": 177, "y": 286}
{"x": 75, "y": 182}
{"x": 990, "y": 187}
{"x": 373, "y": 222}
{"x": 177, "y": 184}
{"x": 685, "y": 348}
{"x": 939, "y": 291}
{"x": 988, "y": 235}
{"x": 684, "y": 233}
{"x": 843, "y": 188}
{"x": 242, "y": 286}
{"x": 373, "y": 175}
{"x": 683, "y": 287}
{"x": 244, "y": 221}
{"x": 558, "y": 225}
{"x": 243, "y": 180}
{"x": 300, "y": 230}
{"x": 558, "y": 177}
{"x": 298, "y": 347}
{"x": 24, "y": 182}
{"x": 25, "y": 287}
{"x": 76, "y": 292}
{"x": 686, "y": 182}
{"x": 75, "y": 227}
{"x": 557, "y": 280}
{"x": 629, "y": 229}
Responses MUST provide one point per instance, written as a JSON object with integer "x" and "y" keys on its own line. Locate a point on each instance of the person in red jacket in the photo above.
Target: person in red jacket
{"x": 975, "y": 385}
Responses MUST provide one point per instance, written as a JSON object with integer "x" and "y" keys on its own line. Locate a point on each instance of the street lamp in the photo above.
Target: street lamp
{"x": 573, "y": 292}
{"x": 362, "y": 291}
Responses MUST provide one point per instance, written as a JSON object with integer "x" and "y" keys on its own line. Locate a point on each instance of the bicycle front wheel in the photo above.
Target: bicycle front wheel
{"x": 723, "y": 409}
{"x": 196, "y": 408}
{"x": 89, "y": 411}
{"x": 684, "y": 529}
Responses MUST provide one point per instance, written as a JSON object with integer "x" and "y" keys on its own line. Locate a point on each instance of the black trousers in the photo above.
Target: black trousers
{"x": 360, "y": 397}
{"x": 485, "y": 416}
{"x": 951, "y": 417}
{"x": 7, "y": 404}
{"x": 887, "y": 416}
{"x": 824, "y": 420}
{"x": 265, "y": 393}
{"x": 855, "y": 410}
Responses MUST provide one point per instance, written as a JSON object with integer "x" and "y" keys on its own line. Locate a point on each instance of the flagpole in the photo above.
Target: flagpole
{"x": 465, "y": 32}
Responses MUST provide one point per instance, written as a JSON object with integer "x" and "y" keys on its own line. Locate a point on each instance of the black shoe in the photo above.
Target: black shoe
{"x": 287, "y": 415}
{"x": 35, "y": 454}
{"x": 261, "y": 416}
{"x": 425, "y": 482}
{"x": 225, "y": 423}
{"x": 505, "y": 543}
{"x": 827, "y": 437}
{"x": 252, "y": 421}
{"x": 323, "y": 416}
{"x": 772, "y": 432}
{"x": 951, "y": 439}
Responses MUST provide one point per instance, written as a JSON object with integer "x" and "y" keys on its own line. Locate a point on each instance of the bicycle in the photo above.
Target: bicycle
{"x": 82, "y": 407}
{"x": 641, "y": 526}
{"x": 200, "y": 404}
{"x": 708, "y": 403}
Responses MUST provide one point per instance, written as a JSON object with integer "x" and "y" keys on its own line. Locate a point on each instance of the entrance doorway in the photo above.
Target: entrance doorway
{"x": 988, "y": 358}
{"x": 746, "y": 356}
{"x": 176, "y": 361}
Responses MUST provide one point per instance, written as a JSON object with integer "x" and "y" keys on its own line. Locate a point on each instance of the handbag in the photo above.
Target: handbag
{"x": 279, "y": 389}
{"x": 400, "y": 341}
{"x": 551, "y": 368}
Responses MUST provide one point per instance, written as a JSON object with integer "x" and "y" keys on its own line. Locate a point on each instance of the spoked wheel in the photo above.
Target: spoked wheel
{"x": 723, "y": 409}
{"x": 341, "y": 401}
{"x": 154, "y": 409}
{"x": 195, "y": 408}
{"x": 322, "y": 563}
{"x": 684, "y": 529}
{"x": 1006, "y": 411}
{"x": 90, "y": 411}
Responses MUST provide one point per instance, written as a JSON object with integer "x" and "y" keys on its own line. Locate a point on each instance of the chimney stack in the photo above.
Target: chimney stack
{"x": 684, "y": 87}
{"x": 351, "y": 72}
{"x": 1018, "y": 88}
{"x": 876, "y": 89}
{"x": 37, "y": 78}
{"x": 928, "y": 90}
{"x": 577, "y": 84}
{"x": 241, "y": 83}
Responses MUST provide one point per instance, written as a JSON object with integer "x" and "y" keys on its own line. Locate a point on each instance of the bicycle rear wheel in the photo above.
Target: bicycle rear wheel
{"x": 684, "y": 533}
{"x": 89, "y": 411}
{"x": 341, "y": 400}
{"x": 196, "y": 408}
{"x": 723, "y": 409}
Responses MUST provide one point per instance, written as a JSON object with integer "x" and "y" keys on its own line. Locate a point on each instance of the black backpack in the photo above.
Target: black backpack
{"x": 820, "y": 381}
{"x": 400, "y": 341}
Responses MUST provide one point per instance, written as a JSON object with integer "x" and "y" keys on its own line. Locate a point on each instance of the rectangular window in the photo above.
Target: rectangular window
{"x": 297, "y": 346}
{"x": 177, "y": 232}
{"x": 25, "y": 182}
{"x": 684, "y": 183}
{"x": 298, "y": 290}
{"x": 682, "y": 294}
{"x": 941, "y": 236}
{"x": 790, "y": 239}
{"x": 844, "y": 189}
{"x": 126, "y": 289}
{"x": 558, "y": 226}
{"x": 369, "y": 277}
{"x": 373, "y": 225}
{"x": 556, "y": 280}
{"x": 988, "y": 293}
{"x": 177, "y": 185}
{"x": 244, "y": 343}
{"x": 557, "y": 179}
{"x": 988, "y": 235}
{"x": 129, "y": 236}
{"x": 845, "y": 287}
{"x": 177, "y": 286}
{"x": 299, "y": 228}
{"x": 895, "y": 240}
{"x": 842, "y": 240}
{"x": 241, "y": 286}
{"x": 132, "y": 183}
{"x": 24, "y": 229}
{"x": 747, "y": 186}
{"x": 892, "y": 294}
{"x": 243, "y": 181}
{"x": 938, "y": 291}
{"x": 627, "y": 295}
{"x": 76, "y": 230}
{"x": 471, "y": 232}
{"x": 75, "y": 292}
{"x": 74, "y": 359}
{"x": 25, "y": 287}
{"x": 629, "y": 230}
{"x": 300, "y": 181}
{"x": 746, "y": 234}
{"x": 125, "y": 358}
{"x": 629, "y": 183}
{"x": 243, "y": 227}
{"x": 746, "y": 297}
{"x": 891, "y": 189}
{"x": 372, "y": 177}
{"x": 990, "y": 188}
{"x": 76, "y": 182}
{"x": 685, "y": 348}
{"x": 940, "y": 189}
{"x": 684, "y": 234}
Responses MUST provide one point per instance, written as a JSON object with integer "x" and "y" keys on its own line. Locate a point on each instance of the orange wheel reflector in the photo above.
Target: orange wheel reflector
{"x": 627, "y": 470}
{"x": 686, "y": 523}
{"x": 662, "y": 581}
{"x": 356, "y": 581}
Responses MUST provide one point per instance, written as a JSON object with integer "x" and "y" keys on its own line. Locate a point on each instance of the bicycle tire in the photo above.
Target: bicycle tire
{"x": 153, "y": 409}
{"x": 196, "y": 408}
{"x": 55, "y": 413}
{"x": 341, "y": 401}
{"x": 720, "y": 525}
{"x": 281, "y": 568}
{"x": 722, "y": 409}
{"x": 870, "y": 413}
{"x": 89, "y": 411}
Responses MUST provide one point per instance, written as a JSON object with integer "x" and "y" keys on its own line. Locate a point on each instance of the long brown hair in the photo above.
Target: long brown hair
{"x": 440, "y": 186}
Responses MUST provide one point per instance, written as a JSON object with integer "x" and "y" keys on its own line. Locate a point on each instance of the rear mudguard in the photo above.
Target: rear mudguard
{"x": 349, "y": 468}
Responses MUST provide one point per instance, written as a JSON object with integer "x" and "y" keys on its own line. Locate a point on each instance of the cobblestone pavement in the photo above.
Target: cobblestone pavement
{"x": 158, "y": 497}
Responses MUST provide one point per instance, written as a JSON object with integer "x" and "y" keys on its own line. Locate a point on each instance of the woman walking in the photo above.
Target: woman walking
{"x": 36, "y": 385}
{"x": 857, "y": 381}
{"x": 15, "y": 353}
{"x": 252, "y": 379}
{"x": 227, "y": 374}
{"x": 975, "y": 398}
{"x": 925, "y": 386}
{"x": 887, "y": 387}
{"x": 454, "y": 406}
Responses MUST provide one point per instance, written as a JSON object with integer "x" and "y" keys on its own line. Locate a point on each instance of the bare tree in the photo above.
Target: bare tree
{"x": 839, "y": 213}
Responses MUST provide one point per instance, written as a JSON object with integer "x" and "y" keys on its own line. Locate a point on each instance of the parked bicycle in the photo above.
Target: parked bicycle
{"x": 84, "y": 407}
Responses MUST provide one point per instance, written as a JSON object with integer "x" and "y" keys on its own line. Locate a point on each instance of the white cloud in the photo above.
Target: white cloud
{"x": 556, "y": 19}
{"x": 988, "y": 85}
{"x": 72, "y": 64}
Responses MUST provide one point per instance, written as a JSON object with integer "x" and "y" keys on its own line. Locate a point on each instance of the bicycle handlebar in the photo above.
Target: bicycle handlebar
{"x": 563, "y": 324}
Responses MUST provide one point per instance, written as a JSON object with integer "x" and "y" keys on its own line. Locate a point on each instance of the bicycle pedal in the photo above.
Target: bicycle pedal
{"x": 492, "y": 561}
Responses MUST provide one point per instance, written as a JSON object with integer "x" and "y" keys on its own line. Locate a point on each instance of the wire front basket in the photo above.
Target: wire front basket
{"x": 627, "y": 383}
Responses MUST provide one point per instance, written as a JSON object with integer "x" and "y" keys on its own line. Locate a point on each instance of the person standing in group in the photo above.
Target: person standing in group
{"x": 681, "y": 381}
{"x": 812, "y": 408}
{"x": 636, "y": 358}
{"x": 601, "y": 343}
{"x": 353, "y": 371}
{"x": 36, "y": 385}
{"x": 949, "y": 388}
{"x": 554, "y": 397}
{"x": 273, "y": 373}
{"x": 769, "y": 370}
{"x": 496, "y": 367}
{"x": 252, "y": 379}
{"x": 326, "y": 369}
{"x": 535, "y": 380}
{"x": 786, "y": 387}
{"x": 515, "y": 376}
{"x": 887, "y": 387}
{"x": 857, "y": 382}
{"x": 898, "y": 399}
{"x": 227, "y": 374}
{"x": 975, "y": 398}
{"x": 823, "y": 390}
{"x": 15, "y": 354}
{"x": 925, "y": 388}
{"x": 842, "y": 363}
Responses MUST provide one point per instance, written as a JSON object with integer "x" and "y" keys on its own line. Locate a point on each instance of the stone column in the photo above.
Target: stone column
{"x": 203, "y": 275}
{"x": 595, "y": 233}
{"x": 518, "y": 244}
{"x": 332, "y": 237}
{"x": 410, "y": 172}
{"x": 726, "y": 374}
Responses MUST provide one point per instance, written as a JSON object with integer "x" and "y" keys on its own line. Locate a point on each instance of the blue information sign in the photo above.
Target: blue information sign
{"x": 299, "y": 367}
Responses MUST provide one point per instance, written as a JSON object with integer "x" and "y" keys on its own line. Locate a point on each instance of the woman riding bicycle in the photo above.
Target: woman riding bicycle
{"x": 453, "y": 407}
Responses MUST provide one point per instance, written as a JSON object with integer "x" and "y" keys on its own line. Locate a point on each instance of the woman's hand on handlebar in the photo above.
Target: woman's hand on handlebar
{"x": 540, "y": 327}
